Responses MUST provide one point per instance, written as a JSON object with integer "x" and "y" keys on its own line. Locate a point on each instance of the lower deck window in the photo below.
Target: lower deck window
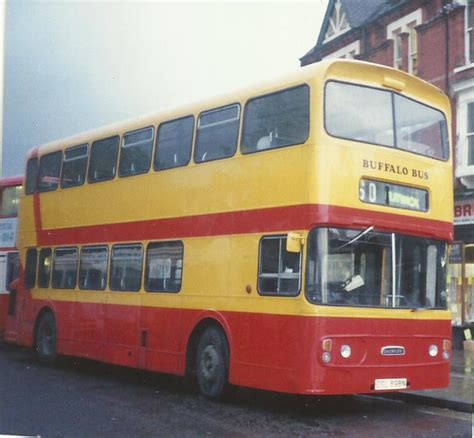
{"x": 279, "y": 270}
{"x": 126, "y": 267}
{"x": 64, "y": 268}
{"x": 93, "y": 268}
{"x": 164, "y": 267}
{"x": 44, "y": 267}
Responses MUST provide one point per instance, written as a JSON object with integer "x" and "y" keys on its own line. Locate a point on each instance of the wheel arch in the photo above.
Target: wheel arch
{"x": 206, "y": 320}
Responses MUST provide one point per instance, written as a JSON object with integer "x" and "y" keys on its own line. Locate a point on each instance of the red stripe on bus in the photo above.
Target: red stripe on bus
{"x": 267, "y": 220}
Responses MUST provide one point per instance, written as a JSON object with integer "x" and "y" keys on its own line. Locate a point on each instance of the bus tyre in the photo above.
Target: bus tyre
{"x": 212, "y": 363}
{"x": 46, "y": 338}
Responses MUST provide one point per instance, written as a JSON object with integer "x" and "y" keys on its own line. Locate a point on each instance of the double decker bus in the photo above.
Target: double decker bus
{"x": 10, "y": 189}
{"x": 291, "y": 237}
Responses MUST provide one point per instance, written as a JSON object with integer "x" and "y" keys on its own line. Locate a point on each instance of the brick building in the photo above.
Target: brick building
{"x": 434, "y": 40}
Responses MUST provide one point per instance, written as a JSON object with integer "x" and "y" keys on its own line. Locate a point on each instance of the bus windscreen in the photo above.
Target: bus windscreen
{"x": 382, "y": 117}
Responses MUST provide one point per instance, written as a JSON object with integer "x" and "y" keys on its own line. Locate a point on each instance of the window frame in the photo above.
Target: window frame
{"x": 85, "y": 247}
{"x": 302, "y": 85}
{"x": 140, "y": 285}
{"x": 31, "y": 190}
{"x": 294, "y": 294}
{"x": 156, "y": 148}
{"x": 394, "y": 126}
{"x": 65, "y": 160}
{"x": 146, "y": 273}
{"x": 47, "y": 283}
{"x": 197, "y": 129}
{"x": 53, "y": 264}
{"x": 119, "y": 171}
{"x": 30, "y": 271}
{"x": 38, "y": 181}
{"x": 95, "y": 181}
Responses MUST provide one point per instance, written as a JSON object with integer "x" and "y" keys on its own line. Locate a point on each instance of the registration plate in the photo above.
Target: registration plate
{"x": 384, "y": 384}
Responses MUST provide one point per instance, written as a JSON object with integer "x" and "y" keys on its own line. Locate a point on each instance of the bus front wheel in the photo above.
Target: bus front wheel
{"x": 212, "y": 363}
{"x": 46, "y": 338}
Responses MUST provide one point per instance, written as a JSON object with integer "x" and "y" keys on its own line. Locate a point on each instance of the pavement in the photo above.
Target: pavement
{"x": 459, "y": 394}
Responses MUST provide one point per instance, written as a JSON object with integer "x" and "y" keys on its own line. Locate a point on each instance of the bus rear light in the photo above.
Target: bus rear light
{"x": 447, "y": 345}
{"x": 346, "y": 351}
{"x": 327, "y": 345}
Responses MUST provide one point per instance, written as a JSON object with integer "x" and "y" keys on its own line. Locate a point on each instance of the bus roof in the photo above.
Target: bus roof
{"x": 11, "y": 181}
{"x": 350, "y": 70}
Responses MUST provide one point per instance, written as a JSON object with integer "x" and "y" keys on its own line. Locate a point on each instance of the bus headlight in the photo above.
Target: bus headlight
{"x": 346, "y": 351}
{"x": 433, "y": 350}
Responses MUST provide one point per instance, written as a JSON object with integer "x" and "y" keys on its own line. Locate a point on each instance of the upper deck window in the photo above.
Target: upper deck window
{"x": 173, "y": 143}
{"x": 217, "y": 134}
{"x": 9, "y": 199}
{"x": 135, "y": 155}
{"x": 49, "y": 169}
{"x": 386, "y": 119}
{"x": 103, "y": 162}
{"x": 31, "y": 176}
{"x": 74, "y": 166}
{"x": 276, "y": 120}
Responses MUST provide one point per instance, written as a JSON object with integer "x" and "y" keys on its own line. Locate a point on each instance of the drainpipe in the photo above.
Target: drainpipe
{"x": 447, "y": 8}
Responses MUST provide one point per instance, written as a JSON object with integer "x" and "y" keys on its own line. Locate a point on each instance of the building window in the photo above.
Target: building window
{"x": 93, "y": 268}
{"x": 164, "y": 267}
{"x": 74, "y": 166}
{"x": 135, "y": 155}
{"x": 217, "y": 134}
{"x": 276, "y": 120}
{"x": 470, "y": 134}
{"x": 64, "y": 268}
{"x": 49, "y": 170}
{"x": 405, "y": 25}
{"x": 279, "y": 270}
{"x": 103, "y": 160}
{"x": 173, "y": 143}
{"x": 337, "y": 24}
{"x": 348, "y": 52}
{"x": 126, "y": 267}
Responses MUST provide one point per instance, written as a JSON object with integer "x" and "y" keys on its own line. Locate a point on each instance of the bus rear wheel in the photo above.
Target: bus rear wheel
{"x": 212, "y": 363}
{"x": 46, "y": 338}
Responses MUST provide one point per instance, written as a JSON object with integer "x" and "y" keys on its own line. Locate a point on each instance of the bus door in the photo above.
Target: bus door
{"x": 160, "y": 335}
{"x": 122, "y": 312}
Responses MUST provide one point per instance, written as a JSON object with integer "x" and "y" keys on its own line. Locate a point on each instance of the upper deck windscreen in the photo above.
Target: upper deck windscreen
{"x": 382, "y": 117}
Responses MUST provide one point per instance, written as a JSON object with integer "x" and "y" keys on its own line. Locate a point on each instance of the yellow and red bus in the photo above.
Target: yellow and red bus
{"x": 290, "y": 237}
{"x": 10, "y": 189}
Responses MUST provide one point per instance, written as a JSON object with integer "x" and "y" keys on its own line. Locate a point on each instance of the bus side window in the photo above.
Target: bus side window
{"x": 74, "y": 166}
{"x": 30, "y": 267}
{"x": 135, "y": 154}
{"x": 173, "y": 143}
{"x": 217, "y": 133}
{"x": 103, "y": 161}
{"x": 126, "y": 267}
{"x": 164, "y": 267}
{"x": 44, "y": 267}
{"x": 93, "y": 268}
{"x": 276, "y": 120}
{"x": 49, "y": 170}
{"x": 64, "y": 268}
{"x": 279, "y": 270}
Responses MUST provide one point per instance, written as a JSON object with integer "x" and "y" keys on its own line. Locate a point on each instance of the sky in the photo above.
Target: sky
{"x": 72, "y": 66}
